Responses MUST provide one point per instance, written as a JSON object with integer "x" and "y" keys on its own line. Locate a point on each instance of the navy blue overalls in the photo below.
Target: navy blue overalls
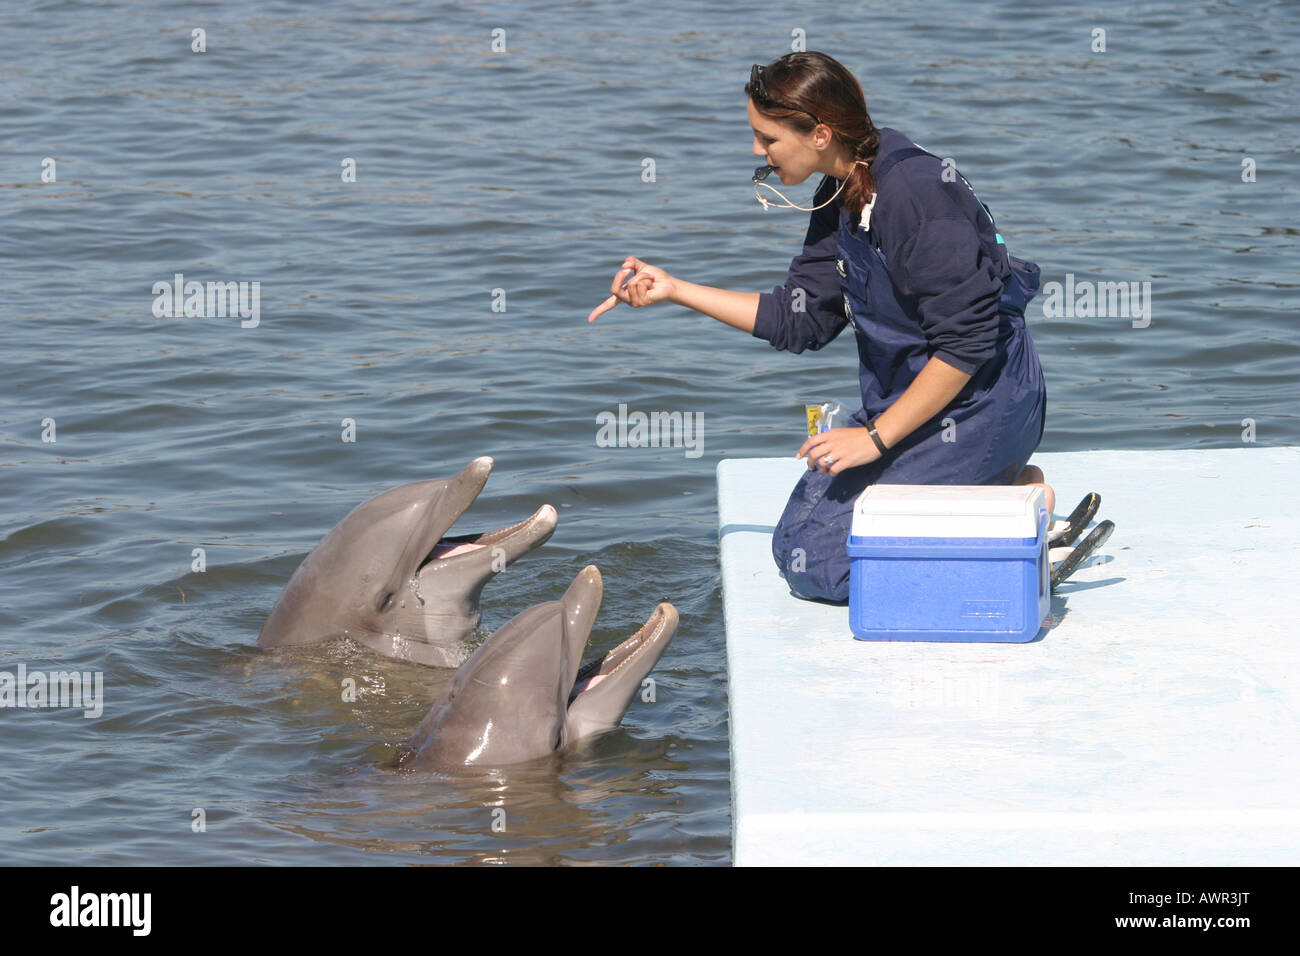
{"x": 985, "y": 435}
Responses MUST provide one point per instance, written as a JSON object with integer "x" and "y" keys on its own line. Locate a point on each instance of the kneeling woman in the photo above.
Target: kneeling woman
{"x": 900, "y": 247}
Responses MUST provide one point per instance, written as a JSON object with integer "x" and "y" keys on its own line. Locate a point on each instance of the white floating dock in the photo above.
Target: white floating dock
{"x": 1155, "y": 721}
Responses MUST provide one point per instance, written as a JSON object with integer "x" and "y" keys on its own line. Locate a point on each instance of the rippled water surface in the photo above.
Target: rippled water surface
{"x": 519, "y": 171}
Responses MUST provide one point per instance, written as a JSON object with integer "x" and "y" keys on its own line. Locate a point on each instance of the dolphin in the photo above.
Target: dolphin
{"x": 525, "y": 694}
{"x": 388, "y": 577}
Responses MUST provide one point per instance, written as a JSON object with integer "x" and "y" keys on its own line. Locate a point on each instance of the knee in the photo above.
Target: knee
{"x": 815, "y": 566}
{"x": 809, "y": 542}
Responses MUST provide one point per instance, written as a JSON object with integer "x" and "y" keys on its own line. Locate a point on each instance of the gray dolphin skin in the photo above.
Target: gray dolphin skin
{"x": 525, "y": 694}
{"x": 388, "y": 577}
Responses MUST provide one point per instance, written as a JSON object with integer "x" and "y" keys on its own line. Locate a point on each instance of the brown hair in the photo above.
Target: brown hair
{"x": 802, "y": 89}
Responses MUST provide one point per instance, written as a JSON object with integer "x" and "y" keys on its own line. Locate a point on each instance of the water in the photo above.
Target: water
{"x": 519, "y": 171}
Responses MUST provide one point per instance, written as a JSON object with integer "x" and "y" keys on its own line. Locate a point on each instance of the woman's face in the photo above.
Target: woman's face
{"x": 794, "y": 155}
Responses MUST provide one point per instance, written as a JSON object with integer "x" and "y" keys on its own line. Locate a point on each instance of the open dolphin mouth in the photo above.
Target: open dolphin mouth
{"x": 453, "y": 546}
{"x": 513, "y": 540}
{"x": 660, "y": 626}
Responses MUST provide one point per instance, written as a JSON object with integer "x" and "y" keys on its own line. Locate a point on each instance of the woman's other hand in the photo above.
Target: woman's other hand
{"x": 846, "y": 448}
{"x": 636, "y": 283}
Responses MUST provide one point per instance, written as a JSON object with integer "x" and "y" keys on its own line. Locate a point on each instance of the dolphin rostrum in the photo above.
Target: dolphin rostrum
{"x": 389, "y": 578}
{"x": 525, "y": 694}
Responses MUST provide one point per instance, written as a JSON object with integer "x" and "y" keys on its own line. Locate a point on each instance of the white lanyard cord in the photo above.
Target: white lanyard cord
{"x": 789, "y": 205}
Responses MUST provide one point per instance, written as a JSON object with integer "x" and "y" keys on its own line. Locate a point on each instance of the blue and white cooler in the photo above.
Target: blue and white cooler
{"x": 949, "y": 563}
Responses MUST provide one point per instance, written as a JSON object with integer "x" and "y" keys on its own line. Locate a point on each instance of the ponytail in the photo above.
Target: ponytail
{"x": 861, "y": 188}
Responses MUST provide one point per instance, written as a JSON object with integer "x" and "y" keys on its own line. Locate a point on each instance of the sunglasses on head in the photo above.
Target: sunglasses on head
{"x": 758, "y": 90}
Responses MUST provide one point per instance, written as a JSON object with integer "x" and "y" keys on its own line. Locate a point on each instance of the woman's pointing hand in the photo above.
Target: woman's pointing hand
{"x": 637, "y": 284}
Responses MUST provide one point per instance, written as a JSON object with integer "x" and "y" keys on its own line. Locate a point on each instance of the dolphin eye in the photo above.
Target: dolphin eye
{"x": 387, "y": 602}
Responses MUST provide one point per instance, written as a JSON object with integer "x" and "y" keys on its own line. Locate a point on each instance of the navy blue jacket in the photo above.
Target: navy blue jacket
{"x": 940, "y": 248}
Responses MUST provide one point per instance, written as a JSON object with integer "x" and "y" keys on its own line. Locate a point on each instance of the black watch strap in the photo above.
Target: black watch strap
{"x": 871, "y": 430}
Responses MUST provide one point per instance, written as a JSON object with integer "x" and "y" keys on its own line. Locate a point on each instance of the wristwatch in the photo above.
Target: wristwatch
{"x": 871, "y": 430}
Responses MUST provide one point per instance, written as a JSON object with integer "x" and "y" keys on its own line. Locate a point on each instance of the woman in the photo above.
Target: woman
{"x": 899, "y": 246}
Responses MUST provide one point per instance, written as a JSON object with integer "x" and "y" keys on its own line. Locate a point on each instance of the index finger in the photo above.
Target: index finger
{"x": 602, "y": 308}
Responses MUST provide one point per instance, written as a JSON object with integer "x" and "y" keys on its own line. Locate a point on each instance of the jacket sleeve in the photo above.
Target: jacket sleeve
{"x": 936, "y": 257}
{"x": 807, "y": 312}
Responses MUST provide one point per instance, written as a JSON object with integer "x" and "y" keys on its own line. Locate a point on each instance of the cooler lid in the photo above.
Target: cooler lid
{"x": 948, "y": 511}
